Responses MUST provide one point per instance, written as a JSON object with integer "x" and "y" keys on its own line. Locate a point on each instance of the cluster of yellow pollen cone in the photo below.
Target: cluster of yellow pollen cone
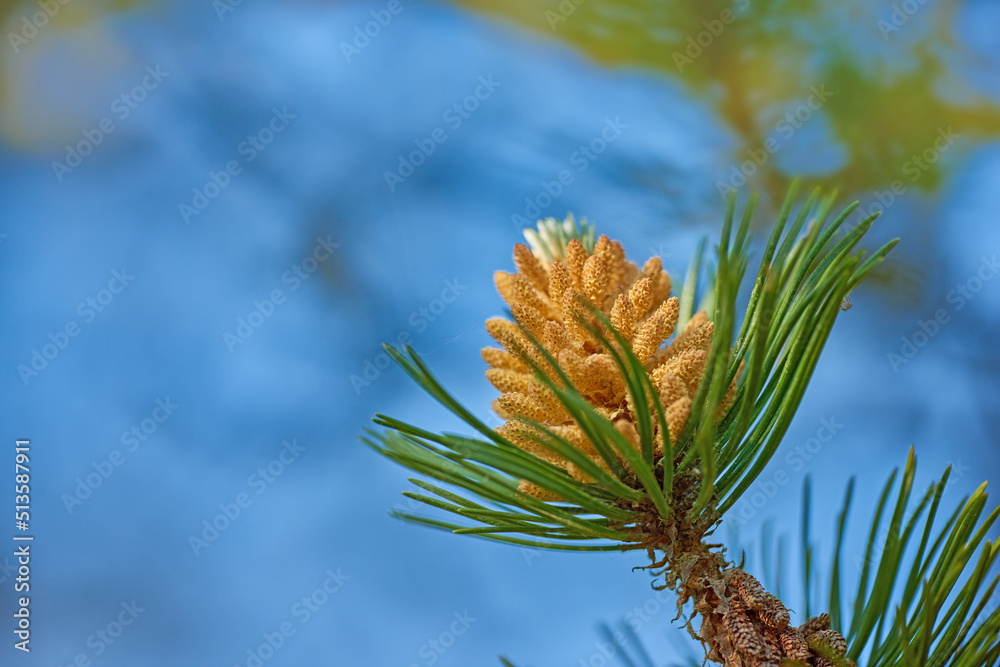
{"x": 546, "y": 297}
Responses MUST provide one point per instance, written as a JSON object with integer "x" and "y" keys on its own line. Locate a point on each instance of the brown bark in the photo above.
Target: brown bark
{"x": 742, "y": 625}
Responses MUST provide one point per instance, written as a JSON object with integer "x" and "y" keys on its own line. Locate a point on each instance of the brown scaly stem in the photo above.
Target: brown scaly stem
{"x": 741, "y": 623}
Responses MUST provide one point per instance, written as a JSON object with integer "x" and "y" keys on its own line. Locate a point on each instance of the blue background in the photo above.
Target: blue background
{"x": 653, "y": 188}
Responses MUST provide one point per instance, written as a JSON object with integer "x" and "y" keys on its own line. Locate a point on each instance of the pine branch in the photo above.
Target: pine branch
{"x": 779, "y": 341}
{"x": 614, "y": 441}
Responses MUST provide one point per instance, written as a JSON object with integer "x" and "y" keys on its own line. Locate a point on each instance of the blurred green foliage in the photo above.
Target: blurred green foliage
{"x": 898, "y": 74}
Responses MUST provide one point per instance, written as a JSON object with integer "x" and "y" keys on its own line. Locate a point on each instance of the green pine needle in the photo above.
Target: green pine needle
{"x": 924, "y": 583}
{"x": 799, "y": 286}
{"x": 915, "y": 606}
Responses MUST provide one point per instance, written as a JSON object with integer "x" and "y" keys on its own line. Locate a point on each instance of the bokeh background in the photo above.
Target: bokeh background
{"x": 211, "y": 153}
